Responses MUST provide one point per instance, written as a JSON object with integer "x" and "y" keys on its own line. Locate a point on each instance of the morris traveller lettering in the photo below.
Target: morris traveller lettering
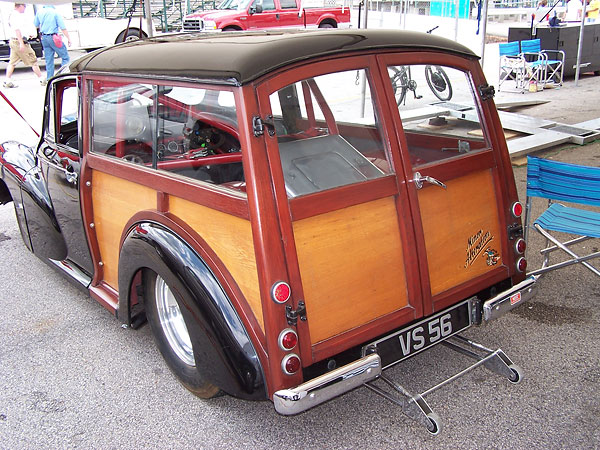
{"x": 475, "y": 245}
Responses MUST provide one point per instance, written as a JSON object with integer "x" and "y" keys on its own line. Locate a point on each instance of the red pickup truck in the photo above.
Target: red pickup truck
{"x": 232, "y": 15}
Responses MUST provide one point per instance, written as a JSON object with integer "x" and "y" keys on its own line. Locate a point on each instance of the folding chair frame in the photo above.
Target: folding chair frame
{"x": 512, "y": 65}
{"x": 543, "y": 69}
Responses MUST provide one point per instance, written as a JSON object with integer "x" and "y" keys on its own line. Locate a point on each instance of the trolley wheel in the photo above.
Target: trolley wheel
{"x": 434, "y": 423}
{"x": 516, "y": 374}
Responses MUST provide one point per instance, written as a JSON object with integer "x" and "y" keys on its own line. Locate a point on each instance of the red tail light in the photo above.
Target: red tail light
{"x": 281, "y": 292}
{"x": 521, "y": 264}
{"x": 290, "y": 364}
{"x": 288, "y": 339}
{"x": 517, "y": 209}
{"x": 520, "y": 246}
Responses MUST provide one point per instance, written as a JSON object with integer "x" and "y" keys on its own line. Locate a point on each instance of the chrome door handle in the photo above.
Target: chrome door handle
{"x": 71, "y": 177}
{"x": 418, "y": 179}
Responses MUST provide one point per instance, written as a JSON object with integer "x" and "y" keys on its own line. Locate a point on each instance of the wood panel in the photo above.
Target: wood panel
{"x": 351, "y": 265}
{"x": 114, "y": 202}
{"x": 461, "y": 229}
{"x": 230, "y": 237}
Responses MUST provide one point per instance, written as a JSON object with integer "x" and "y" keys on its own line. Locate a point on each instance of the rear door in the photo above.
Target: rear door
{"x": 344, "y": 215}
{"x": 454, "y": 184}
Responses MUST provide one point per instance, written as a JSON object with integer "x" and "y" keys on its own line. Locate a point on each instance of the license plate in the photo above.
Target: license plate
{"x": 420, "y": 336}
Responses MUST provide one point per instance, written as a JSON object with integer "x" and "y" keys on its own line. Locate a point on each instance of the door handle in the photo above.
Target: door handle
{"x": 71, "y": 177}
{"x": 419, "y": 179}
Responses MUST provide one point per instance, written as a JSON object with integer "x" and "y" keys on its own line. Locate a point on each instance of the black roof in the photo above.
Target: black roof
{"x": 240, "y": 57}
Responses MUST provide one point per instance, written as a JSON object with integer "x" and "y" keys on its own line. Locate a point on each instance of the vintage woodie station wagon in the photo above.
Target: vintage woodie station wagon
{"x": 292, "y": 212}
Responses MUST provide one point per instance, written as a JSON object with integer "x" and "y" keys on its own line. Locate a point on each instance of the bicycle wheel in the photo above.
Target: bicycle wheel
{"x": 399, "y": 80}
{"x": 438, "y": 82}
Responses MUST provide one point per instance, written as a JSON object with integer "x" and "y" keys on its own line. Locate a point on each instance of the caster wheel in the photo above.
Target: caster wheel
{"x": 434, "y": 425}
{"x": 516, "y": 374}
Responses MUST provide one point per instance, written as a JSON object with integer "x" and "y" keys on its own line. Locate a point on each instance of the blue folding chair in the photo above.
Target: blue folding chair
{"x": 543, "y": 69}
{"x": 579, "y": 185}
{"x": 512, "y": 65}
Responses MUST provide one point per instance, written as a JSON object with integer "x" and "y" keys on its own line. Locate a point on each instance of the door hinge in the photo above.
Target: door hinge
{"x": 292, "y": 315}
{"x": 487, "y": 92}
{"x": 259, "y": 125}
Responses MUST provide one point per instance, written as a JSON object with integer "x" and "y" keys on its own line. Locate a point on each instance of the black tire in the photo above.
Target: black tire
{"x": 399, "y": 80}
{"x": 130, "y": 35}
{"x": 232, "y": 29}
{"x": 179, "y": 356}
{"x": 438, "y": 82}
{"x": 327, "y": 25}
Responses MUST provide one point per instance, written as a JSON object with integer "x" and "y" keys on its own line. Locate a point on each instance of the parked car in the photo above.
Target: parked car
{"x": 237, "y": 15}
{"x": 287, "y": 226}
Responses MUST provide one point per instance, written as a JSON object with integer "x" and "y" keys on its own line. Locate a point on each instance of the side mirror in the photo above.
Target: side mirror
{"x": 258, "y": 9}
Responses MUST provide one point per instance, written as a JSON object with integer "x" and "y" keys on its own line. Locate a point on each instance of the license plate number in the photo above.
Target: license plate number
{"x": 418, "y": 337}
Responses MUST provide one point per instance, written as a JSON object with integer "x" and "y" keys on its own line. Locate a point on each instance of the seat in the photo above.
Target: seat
{"x": 543, "y": 69}
{"x": 512, "y": 65}
{"x": 575, "y": 184}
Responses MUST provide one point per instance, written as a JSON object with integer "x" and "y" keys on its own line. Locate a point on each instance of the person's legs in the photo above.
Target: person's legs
{"x": 13, "y": 60}
{"x": 64, "y": 55}
{"x": 49, "y": 49}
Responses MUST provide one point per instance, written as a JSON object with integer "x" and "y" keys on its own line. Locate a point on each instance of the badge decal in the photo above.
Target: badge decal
{"x": 476, "y": 244}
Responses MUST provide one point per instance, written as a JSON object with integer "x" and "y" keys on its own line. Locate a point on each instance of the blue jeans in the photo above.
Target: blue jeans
{"x": 49, "y": 50}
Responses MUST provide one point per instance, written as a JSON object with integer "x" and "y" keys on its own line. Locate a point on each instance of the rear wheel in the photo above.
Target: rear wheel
{"x": 327, "y": 25}
{"x": 171, "y": 335}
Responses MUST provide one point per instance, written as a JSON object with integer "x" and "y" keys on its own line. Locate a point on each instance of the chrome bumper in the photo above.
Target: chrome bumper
{"x": 343, "y": 379}
{"x": 327, "y": 386}
{"x": 507, "y": 300}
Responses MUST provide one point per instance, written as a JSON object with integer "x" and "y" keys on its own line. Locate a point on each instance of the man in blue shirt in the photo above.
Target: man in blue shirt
{"x": 51, "y": 23}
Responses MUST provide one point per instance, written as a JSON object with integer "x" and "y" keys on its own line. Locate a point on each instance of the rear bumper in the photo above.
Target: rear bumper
{"x": 327, "y": 386}
{"x": 343, "y": 379}
{"x": 509, "y": 299}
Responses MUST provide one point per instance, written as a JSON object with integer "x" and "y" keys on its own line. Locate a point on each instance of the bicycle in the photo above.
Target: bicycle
{"x": 436, "y": 78}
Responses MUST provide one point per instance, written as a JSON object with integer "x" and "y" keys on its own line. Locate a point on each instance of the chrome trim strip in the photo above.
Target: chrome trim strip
{"x": 327, "y": 386}
{"x": 73, "y": 271}
{"x": 509, "y": 299}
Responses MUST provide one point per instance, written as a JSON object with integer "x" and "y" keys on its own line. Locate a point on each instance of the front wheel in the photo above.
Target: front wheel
{"x": 171, "y": 335}
{"x": 438, "y": 82}
{"x": 132, "y": 34}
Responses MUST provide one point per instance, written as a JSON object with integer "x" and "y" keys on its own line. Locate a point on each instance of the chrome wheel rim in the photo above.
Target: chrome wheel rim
{"x": 172, "y": 323}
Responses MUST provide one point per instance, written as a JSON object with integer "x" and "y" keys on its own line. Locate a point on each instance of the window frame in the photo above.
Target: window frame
{"x": 213, "y": 196}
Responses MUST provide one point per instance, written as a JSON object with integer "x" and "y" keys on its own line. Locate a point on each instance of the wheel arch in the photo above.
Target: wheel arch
{"x": 328, "y": 21}
{"x": 229, "y": 357}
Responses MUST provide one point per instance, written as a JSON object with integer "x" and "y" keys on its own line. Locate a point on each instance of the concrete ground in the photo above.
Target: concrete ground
{"x": 73, "y": 378}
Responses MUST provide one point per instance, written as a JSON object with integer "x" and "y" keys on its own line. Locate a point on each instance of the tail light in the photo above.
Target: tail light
{"x": 521, "y": 264}
{"x": 281, "y": 292}
{"x": 520, "y": 246}
{"x": 287, "y": 340}
{"x": 290, "y": 364}
{"x": 516, "y": 209}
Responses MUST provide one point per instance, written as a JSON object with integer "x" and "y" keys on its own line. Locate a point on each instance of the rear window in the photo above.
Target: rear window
{"x": 328, "y": 133}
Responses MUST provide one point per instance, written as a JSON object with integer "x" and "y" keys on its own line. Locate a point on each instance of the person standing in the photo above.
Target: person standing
{"x": 51, "y": 23}
{"x": 593, "y": 10}
{"x": 574, "y": 8}
{"x": 20, "y": 50}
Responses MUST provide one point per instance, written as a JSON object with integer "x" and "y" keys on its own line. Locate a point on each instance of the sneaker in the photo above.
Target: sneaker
{"x": 9, "y": 84}
{"x": 43, "y": 82}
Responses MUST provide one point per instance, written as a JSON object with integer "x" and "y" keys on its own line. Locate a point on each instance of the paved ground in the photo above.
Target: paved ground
{"x": 73, "y": 378}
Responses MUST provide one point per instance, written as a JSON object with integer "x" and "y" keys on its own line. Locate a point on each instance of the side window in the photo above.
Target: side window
{"x": 186, "y": 131}
{"x": 288, "y": 4}
{"x": 328, "y": 133}
{"x": 68, "y": 113}
{"x": 267, "y": 5}
{"x": 438, "y": 111}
